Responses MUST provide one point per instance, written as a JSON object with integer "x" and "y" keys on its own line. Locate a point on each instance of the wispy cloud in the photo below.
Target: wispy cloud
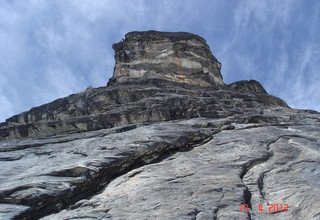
{"x": 277, "y": 42}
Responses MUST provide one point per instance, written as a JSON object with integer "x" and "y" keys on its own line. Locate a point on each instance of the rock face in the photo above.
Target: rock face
{"x": 247, "y": 86}
{"x": 180, "y": 57}
{"x": 151, "y": 146}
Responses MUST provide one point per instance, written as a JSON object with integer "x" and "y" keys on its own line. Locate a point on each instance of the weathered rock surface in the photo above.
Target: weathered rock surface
{"x": 155, "y": 147}
{"x": 247, "y": 86}
{"x": 139, "y": 101}
{"x": 180, "y": 57}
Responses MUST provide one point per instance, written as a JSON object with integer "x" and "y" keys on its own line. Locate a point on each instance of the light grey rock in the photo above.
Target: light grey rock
{"x": 174, "y": 56}
{"x": 263, "y": 164}
{"x": 149, "y": 146}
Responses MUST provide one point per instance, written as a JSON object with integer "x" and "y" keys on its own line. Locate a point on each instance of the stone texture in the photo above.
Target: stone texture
{"x": 153, "y": 147}
{"x": 180, "y": 57}
{"x": 137, "y": 101}
{"x": 247, "y": 86}
{"x": 273, "y": 164}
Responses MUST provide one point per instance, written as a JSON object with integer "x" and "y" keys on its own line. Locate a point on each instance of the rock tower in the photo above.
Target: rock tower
{"x": 175, "y": 56}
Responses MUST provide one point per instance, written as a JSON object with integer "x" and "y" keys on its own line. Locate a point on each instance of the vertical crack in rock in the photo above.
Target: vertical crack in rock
{"x": 194, "y": 214}
{"x": 260, "y": 184}
{"x": 247, "y": 200}
{"x": 247, "y": 197}
{"x": 247, "y": 194}
{"x": 215, "y": 212}
{"x": 260, "y": 180}
{"x": 247, "y": 166}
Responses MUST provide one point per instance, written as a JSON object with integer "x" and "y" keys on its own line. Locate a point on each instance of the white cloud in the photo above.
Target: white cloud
{"x": 6, "y": 106}
{"x": 265, "y": 41}
{"x": 304, "y": 85}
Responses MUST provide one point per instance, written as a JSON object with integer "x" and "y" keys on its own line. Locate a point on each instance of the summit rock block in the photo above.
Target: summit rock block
{"x": 178, "y": 56}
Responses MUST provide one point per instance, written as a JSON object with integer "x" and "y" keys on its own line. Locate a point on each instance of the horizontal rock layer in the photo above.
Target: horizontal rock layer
{"x": 180, "y": 57}
{"x": 140, "y": 101}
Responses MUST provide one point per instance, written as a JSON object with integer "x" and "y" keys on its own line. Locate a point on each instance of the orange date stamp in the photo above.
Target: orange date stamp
{"x": 269, "y": 208}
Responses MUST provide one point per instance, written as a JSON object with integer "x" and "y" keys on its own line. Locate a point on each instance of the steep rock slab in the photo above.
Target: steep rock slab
{"x": 255, "y": 165}
{"x": 65, "y": 169}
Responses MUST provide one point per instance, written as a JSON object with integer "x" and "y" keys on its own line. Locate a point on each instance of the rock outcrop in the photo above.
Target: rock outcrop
{"x": 180, "y": 57}
{"x": 166, "y": 139}
{"x": 247, "y": 86}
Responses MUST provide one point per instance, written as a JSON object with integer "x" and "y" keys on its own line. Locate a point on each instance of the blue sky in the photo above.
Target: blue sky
{"x": 50, "y": 49}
